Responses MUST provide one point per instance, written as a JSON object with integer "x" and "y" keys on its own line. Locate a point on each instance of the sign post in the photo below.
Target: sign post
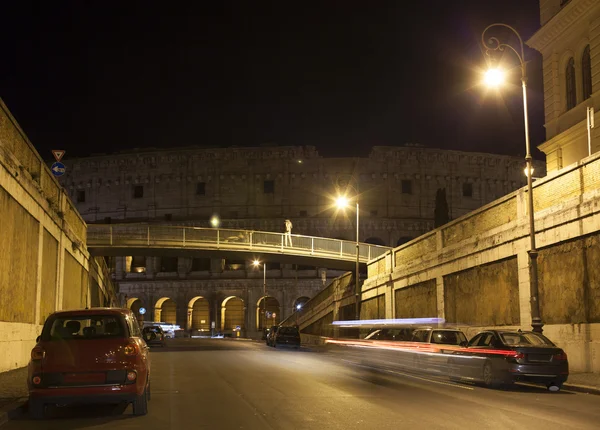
{"x": 58, "y": 169}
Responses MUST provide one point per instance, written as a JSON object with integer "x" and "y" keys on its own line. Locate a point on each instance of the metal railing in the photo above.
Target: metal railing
{"x": 157, "y": 236}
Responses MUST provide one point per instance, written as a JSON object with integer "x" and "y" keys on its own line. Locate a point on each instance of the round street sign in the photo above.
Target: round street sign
{"x": 142, "y": 311}
{"x": 58, "y": 168}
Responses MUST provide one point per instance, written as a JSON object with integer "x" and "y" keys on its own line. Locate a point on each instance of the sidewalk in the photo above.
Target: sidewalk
{"x": 584, "y": 383}
{"x": 13, "y": 393}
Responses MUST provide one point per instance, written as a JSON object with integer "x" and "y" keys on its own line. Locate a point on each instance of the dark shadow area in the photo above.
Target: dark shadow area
{"x": 78, "y": 416}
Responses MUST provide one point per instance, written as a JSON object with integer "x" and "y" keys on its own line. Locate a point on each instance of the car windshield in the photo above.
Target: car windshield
{"x": 288, "y": 330}
{"x": 524, "y": 339}
{"x": 83, "y": 327}
{"x": 448, "y": 337}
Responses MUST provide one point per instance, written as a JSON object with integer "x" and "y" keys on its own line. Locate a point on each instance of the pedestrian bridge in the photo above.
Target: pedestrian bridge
{"x": 148, "y": 239}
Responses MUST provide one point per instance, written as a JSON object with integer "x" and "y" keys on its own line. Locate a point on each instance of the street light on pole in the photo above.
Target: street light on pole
{"x": 256, "y": 263}
{"x": 495, "y": 77}
{"x": 342, "y": 202}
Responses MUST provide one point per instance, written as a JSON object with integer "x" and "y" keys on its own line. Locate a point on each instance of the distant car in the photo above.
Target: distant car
{"x": 287, "y": 336}
{"x": 506, "y": 356}
{"x": 93, "y": 355}
{"x": 271, "y": 335}
{"x": 154, "y": 335}
{"x": 431, "y": 356}
{"x": 439, "y": 336}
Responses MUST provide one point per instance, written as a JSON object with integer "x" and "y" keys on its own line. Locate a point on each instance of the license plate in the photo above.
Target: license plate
{"x": 84, "y": 378}
{"x": 539, "y": 357}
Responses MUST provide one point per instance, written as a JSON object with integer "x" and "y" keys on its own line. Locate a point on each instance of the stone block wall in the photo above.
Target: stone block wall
{"x": 45, "y": 264}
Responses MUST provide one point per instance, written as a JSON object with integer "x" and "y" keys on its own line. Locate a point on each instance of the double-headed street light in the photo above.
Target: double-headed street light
{"x": 495, "y": 77}
{"x": 256, "y": 263}
{"x": 342, "y": 202}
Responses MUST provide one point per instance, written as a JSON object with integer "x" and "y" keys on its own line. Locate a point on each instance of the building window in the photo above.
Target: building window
{"x": 269, "y": 187}
{"x": 467, "y": 189}
{"x": 406, "y": 186}
{"x": 303, "y": 213}
{"x": 168, "y": 217}
{"x": 201, "y": 189}
{"x": 586, "y": 73}
{"x": 138, "y": 191}
{"x": 200, "y": 264}
{"x": 168, "y": 264}
{"x": 570, "y": 83}
{"x": 374, "y": 212}
{"x": 107, "y": 220}
{"x": 80, "y": 196}
{"x": 234, "y": 214}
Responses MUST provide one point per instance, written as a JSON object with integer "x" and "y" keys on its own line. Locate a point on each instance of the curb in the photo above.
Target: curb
{"x": 582, "y": 389}
{"x": 12, "y": 410}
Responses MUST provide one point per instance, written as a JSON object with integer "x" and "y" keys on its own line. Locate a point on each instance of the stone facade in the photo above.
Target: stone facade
{"x": 257, "y": 188}
{"x": 569, "y": 42}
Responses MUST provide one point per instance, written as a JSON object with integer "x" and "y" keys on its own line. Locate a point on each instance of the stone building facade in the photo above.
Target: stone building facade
{"x": 257, "y": 189}
{"x": 569, "y": 41}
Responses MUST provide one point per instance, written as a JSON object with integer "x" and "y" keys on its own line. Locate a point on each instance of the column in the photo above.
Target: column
{"x": 439, "y": 287}
{"x": 38, "y": 280}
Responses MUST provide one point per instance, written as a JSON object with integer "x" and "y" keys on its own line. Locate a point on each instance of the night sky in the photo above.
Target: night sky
{"x": 104, "y": 76}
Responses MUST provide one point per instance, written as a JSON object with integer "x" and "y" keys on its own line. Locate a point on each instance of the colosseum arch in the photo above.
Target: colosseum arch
{"x": 198, "y": 314}
{"x": 135, "y": 304}
{"x": 271, "y": 306}
{"x": 232, "y": 313}
{"x": 165, "y": 310}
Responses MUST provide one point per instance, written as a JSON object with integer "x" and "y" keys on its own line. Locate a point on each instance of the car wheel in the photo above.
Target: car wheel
{"x": 140, "y": 404}
{"x": 36, "y": 409}
{"x": 488, "y": 374}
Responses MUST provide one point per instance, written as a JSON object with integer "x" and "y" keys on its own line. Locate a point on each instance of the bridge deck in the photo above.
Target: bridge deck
{"x": 159, "y": 236}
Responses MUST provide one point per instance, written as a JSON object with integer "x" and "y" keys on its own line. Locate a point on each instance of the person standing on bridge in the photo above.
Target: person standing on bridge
{"x": 288, "y": 232}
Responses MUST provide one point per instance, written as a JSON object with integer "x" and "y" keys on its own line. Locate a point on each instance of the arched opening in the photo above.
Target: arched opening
{"x": 268, "y": 312}
{"x": 232, "y": 313}
{"x": 403, "y": 240}
{"x": 199, "y": 314}
{"x": 300, "y": 302}
{"x": 375, "y": 241}
{"x": 135, "y": 304}
{"x": 138, "y": 264}
{"x": 165, "y": 311}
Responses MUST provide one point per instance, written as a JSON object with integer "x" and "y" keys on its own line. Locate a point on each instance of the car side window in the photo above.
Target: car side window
{"x": 134, "y": 328}
{"x": 420, "y": 336}
{"x": 476, "y": 339}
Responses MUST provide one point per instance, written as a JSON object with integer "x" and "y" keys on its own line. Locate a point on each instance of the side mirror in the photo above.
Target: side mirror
{"x": 37, "y": 339}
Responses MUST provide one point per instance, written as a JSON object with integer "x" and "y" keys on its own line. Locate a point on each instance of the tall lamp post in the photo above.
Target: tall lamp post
{"x": 256, "y": 263}
{"x": 342, "y": 203}
{"x": 495, "y": 77}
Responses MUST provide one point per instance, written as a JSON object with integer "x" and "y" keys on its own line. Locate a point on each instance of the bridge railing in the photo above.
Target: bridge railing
{"x": 122, "y": 235}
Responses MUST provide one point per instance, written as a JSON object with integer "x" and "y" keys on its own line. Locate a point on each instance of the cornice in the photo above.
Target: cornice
{"x": 566, "y": 18}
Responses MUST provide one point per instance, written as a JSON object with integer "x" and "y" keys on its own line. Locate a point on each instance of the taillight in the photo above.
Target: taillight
{"x": 38, "y": 353}
{"x": 560, "y": 357}
{"x": 36, "y": 380}
{"x": 131, "y": 349}
{"x": 131, "y": 376}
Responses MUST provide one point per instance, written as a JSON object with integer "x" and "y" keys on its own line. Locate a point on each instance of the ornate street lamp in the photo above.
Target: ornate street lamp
{"x": 256, "y": 263}
{"x": 342, "y": 202}
{"x": 495, "y": 77}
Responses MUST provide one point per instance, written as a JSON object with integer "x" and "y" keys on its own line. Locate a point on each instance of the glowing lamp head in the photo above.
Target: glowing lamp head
{"x": 215, "y": 221}
{"x": 494, "y": 78}
{"x": 525, "y": 171}
{"x": 256, "y": 263}
{"x": 298, "y": 306}
{"x": 341, "y": 202}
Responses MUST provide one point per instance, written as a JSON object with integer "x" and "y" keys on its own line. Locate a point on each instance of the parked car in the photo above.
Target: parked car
{"x": 271, "y": 335}
{"x": 431, "y": 356}
{"x": 506, "y": 356}
{"x": 93, "y": 355}
{"x": 154, "y": 335}
{"x": 287, "y": 336}
{"x": 395, "y": 334}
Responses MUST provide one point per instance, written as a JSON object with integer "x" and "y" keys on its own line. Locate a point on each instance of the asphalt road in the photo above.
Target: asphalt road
{"x": 232, "y": 384}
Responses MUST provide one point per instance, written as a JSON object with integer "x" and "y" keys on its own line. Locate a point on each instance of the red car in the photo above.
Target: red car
{"x": 93, "y": 355}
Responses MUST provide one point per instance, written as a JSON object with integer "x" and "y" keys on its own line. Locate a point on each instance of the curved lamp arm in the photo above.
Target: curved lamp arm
{"x": 494, "y": 44}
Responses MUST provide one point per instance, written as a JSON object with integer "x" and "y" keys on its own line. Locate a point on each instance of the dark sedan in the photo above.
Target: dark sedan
{"x": 287, "y": 336}
{"x": 503, "y": 357}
